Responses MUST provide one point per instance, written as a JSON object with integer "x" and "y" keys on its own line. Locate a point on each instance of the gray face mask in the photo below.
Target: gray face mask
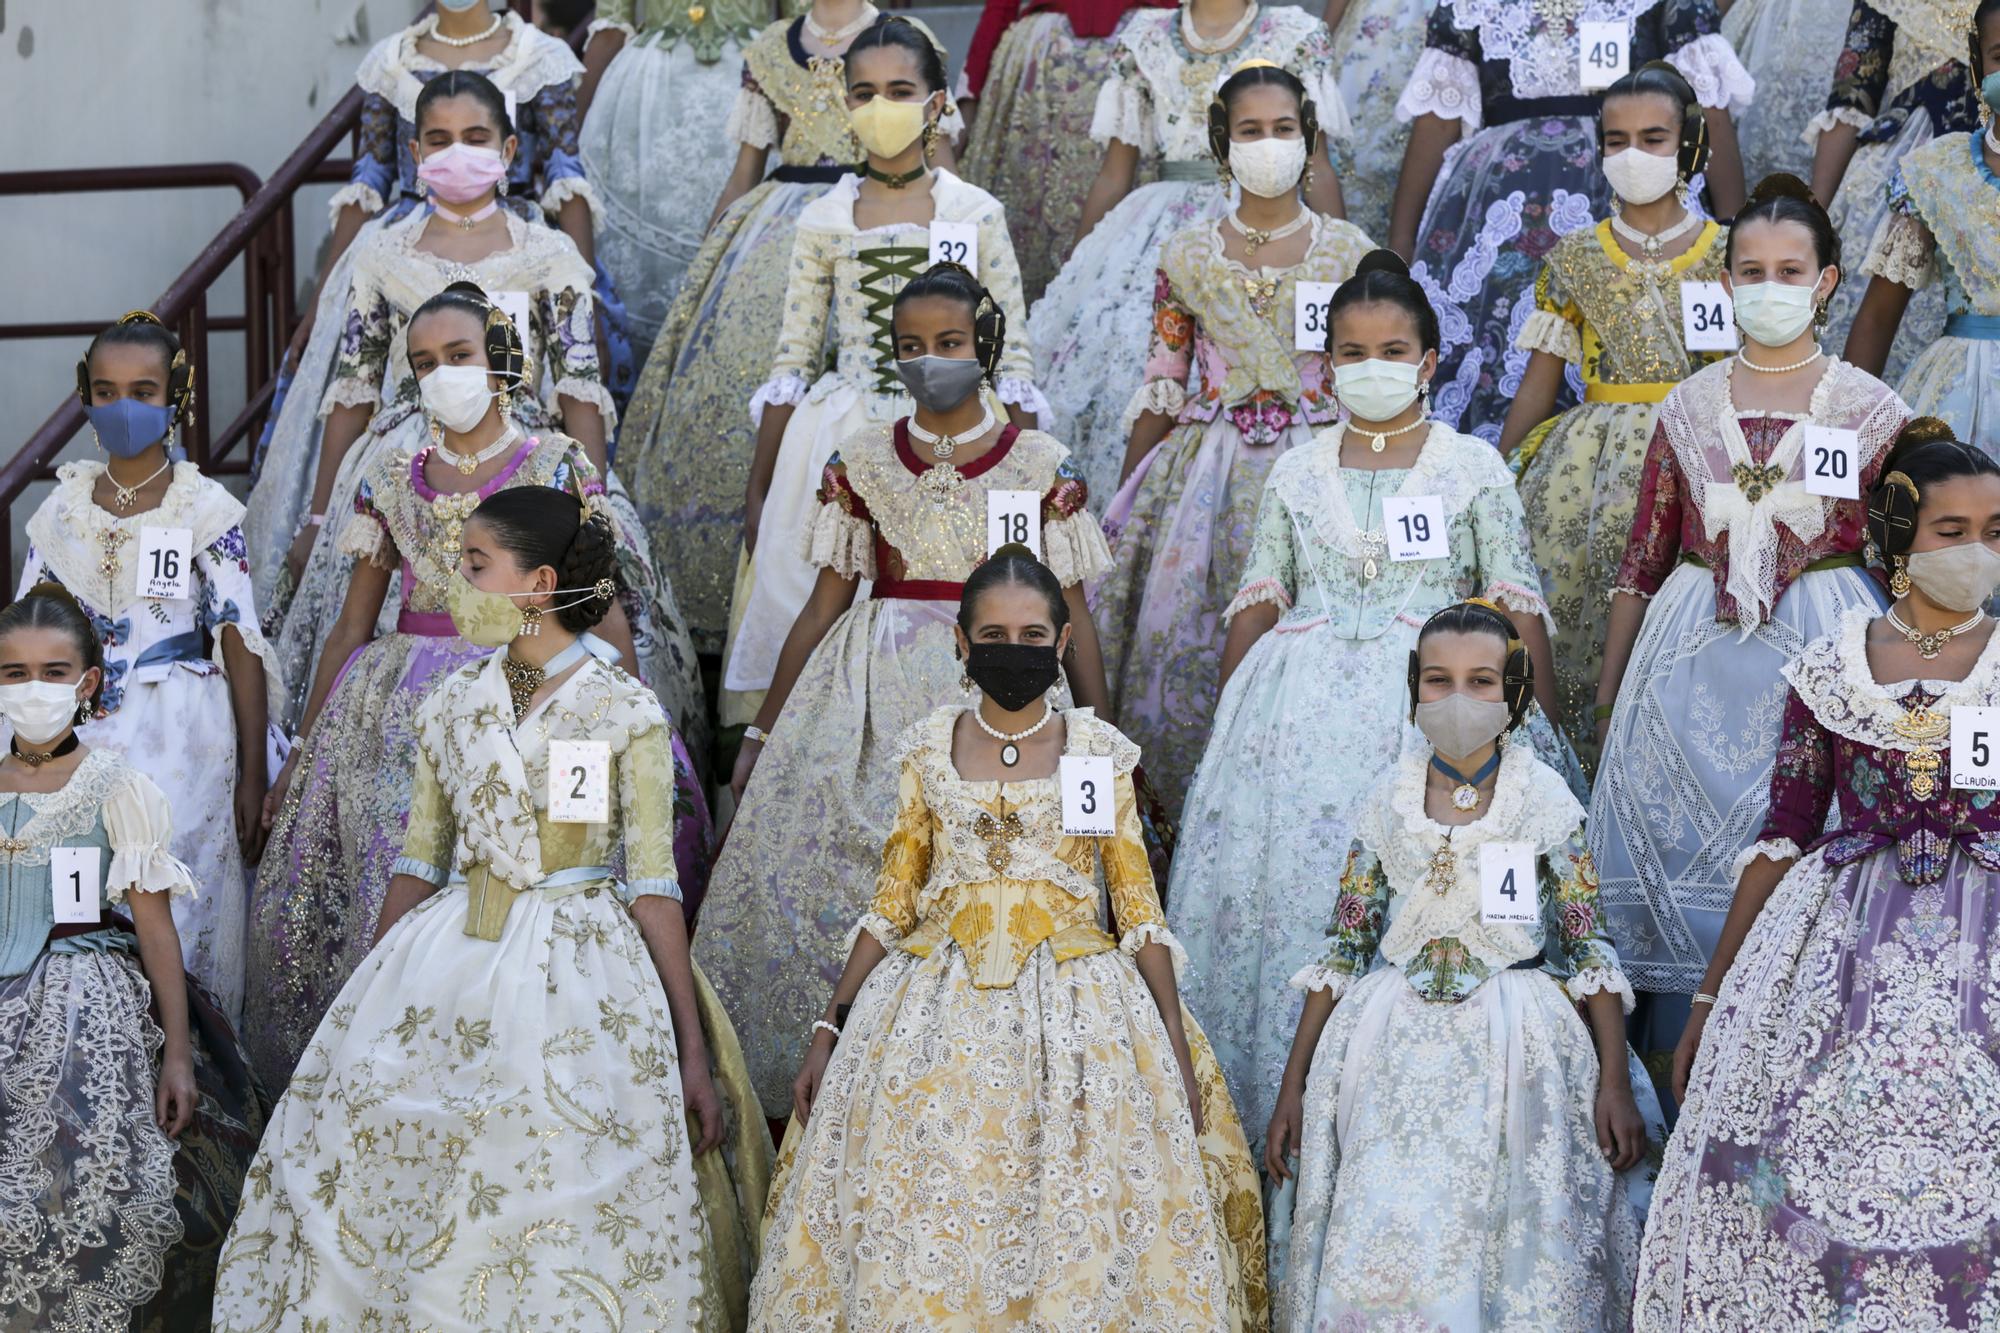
{"x": 940, "y": 383}
{"x": 1957, "y": 578}
{"x": 1458, "y": 724}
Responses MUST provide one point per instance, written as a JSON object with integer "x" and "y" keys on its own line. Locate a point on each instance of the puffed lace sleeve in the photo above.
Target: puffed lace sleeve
{"x": 1860, "y": 74}
{"x": 1352, "y": 935}
{"x": 1001, "y": 274}
{"x": 1445, "y": 82}
{"x": 431, "y": 836}
{"x": 1271, "y": 574}
{"x": 1556, "y": 326}
{"x": 753, "y": 121}
{"x": 1507, "y": 570}
{"x": 1570, "y": 897}
{"x": 559, "y": 167}
{"x": 1073, "y": 544}
{"x": 841, "y": 536}
{"x": 613, "y": 15}
{"x": 1693, "y": 40}
{"x": 808, "y": 306}
{"x": 906, "y": 865}
{"x": 1169, "y": 356}
{"x": 1128, "y": 876}
{"x": 140, "y": 827}
{"x": 1655, "y": 542}
{"x": 646, "y": 811}
{"x": 373, "y": 176}
{"x": 1124, "y": 108}
{"x": 569, "y": 312}
{"x": 365, "y": 535}
{"x": 367, "y": 327}
{"x": 1802, "y": 782}
{"x": 1903, "y": 251}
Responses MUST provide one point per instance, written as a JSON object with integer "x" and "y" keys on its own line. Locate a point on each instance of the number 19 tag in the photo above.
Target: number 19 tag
{"x": 1975, "y": 748}
{"x": 579, "y": 782}
{"x": 1603, "y": 53}
{"x": 1086, "y": 796}
{"x": 1708, "y": 318}
{"x": 1832, "y": 462}
{"x": 75, "y": 878}
{"x": 1415, "y": 527}
{"x": 955, "y": 243}
{"x": 1507, "y": 892}
{"x": 1013, "y": 516}
{"x": 164, "y": 557}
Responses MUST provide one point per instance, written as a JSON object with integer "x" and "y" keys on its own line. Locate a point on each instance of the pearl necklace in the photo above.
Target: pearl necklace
{"x": 1928, "y": 646}
{"x": 467, "y": 464}
{"x": 1226, "y": 42}
{"x": 1254, "y": 237}
{"x": 431, "y": 31}
{"x": 1377, "y": 443}
{"x": 1653, "y": 242}
{"x": 1010, "y": 752}
{"x": 835, "y": 36}
{"x": 1818, "y": 352}
{"x": 125, "y": 496}
{"x": 944, "y": 446}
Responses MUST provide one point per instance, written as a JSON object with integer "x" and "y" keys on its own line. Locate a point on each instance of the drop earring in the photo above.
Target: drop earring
{"x": 1899, "y": 581}
{"x": 531, "y": 622}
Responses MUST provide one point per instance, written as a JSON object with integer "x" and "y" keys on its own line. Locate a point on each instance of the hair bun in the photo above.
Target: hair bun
{"x": 1782, "y": 185}
{"x": 470, "y": 289}
{"x": 1922, "y": 430}
{"x": 1015, "y": 551}
{"x": 1382, "y": 261}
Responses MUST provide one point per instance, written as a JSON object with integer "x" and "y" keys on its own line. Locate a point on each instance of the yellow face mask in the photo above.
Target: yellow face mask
{"x": 886, "y": 128}
{"x": 489, "y": 619}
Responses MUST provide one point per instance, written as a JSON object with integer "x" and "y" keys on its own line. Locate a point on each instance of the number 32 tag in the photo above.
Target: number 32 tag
{"x": 1086, "y": 796}
{"x": 955, "y": 243}
{"x": 1415, "y": 527}
{"x": 75, "y": 878}
{"x": 1975, "y": 748}
{"x": 579, "y": 782}
{"x": 1508, "y": 895}
{"x": 164, "y": 557}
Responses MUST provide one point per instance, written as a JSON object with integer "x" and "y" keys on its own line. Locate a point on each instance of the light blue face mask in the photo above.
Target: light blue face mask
{"x": 1989, "y": 90}
{"x": 458, "y": 6}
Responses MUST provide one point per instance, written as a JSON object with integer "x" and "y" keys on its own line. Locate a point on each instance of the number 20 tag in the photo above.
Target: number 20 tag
{"x": 579, "y": 782}
{"x": 1013, "y": 516}
{"x": 75, "y": 878}
{"x": 1507, "y": 891}
{"x": 955, "y": 243}
{"x": 1975, "y": 748}
{"x": 1086, "y": 796}
{"x": 164, "y": 557}
{"x": 1415, "y": 527}
{"x": 1832, "y": 462}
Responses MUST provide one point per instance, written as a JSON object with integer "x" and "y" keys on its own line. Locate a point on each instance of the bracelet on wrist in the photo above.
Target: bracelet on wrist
{"x": 753, "y": 732}
{"x": 1602, "y": 712}
{"x": 1702, "y": 997}
{"x": 820, "y": 1024}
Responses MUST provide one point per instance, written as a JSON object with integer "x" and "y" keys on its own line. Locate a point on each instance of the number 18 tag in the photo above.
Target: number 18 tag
{"x": 164, "y": 557}
{"x": 75, "y": 878}
{"x": 1975, "y": 748}
{"x": 1708, "y": 318}
{"x": 1507, "y": 892}
{"x": 1086, "y": 796}
{"x": 955, "y": 243}
{"x": 1312, "y": 303}
{"x": 1415, "y": 527}
{"x": 1603, "y": 53}
{"x": 1832, "y": 462}
{"x": 1013, "y": 516}
{"x": 579, "y": 782}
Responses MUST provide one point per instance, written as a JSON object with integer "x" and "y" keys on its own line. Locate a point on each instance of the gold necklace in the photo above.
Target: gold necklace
{"x": 522, "y": 682}
{"x": 125, "y": 496}
{"x": 1930, "y": 645}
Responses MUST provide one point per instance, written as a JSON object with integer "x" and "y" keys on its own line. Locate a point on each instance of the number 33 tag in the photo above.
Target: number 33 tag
{"x": 579, "y": 782}
{"x": 1086, "y": 796}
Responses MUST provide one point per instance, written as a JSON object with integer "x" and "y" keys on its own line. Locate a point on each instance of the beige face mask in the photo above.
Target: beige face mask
{"x": 493, "y": 620}
{"x": 1458, "y": 724}
{"x": 1957, "y": 578}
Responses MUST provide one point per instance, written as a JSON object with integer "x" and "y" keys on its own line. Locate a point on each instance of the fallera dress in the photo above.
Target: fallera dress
{"x": 1789, "y": 46}
{"x": 1375, "y": 48}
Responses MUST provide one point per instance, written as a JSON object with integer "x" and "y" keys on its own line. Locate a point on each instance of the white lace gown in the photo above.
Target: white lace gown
{"x": 1789, "y": 47}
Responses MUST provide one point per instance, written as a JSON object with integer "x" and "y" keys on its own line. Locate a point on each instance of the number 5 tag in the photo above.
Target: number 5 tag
{"x": 1603, "y": 53}
{"x": 1508, "y": 895}
{"x": 1415, "y": 527}
{"x": 579, "y": 782}
{"x": 1086, "y": 796}
{"x": 165, "y": 555}
{"x": 1013, "y": 516}
{"x": 955, "y": 243}
{"x": 1833, "y": 462}
{"x": 1975, "y": 748}
{"x": 75, "y": 878}
{"x": 1708, "y": 318}
{"x": 1312, "y": 305}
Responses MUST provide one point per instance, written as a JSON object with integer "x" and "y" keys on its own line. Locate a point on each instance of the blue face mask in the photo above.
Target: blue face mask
{"x": 1989, "y": 90}
{"x": 126, "y": 427}
{"x": 457, "y": 6}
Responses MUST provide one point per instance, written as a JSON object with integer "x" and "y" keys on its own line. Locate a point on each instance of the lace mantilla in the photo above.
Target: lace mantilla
{"x": 96, "y": 553}
{"x": 1540, "y": 53}
{"x": 1832, "y": 678}
{"x": 531, "y": 61}
{"x": 1928, "y": 33}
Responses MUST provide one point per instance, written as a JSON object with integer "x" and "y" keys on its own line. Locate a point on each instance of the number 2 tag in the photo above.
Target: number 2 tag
{"x": 1975, "y": 748}
{"x": 1086, "y": 796}
{"x": 165, "y": 555}
{"x": 1013, "y": 516}
{"x": 1312, "y": 305}
{"x": 75, "y": 878}
{"x": 1833, "y": 462}
{"x": 1415, "y": 527}
{"x": 955, "y": 243}
{"x": 579, "y": 782}
{"x": 1708, "y": 318}
{"x": 1603, "y": 53}
{"x": 1508, "y": 895}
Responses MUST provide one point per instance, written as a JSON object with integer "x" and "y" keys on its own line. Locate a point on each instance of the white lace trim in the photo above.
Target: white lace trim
{"x": 1594, "y": 979}
{"x": 531, "y": 61}
{"x": 1320, "y": 977}
{"x": 787, "y": 390}
{"x": 1546, "y": 331}
{"x": 839, "y": 541}
{"x": 1832, "y": 116}
{"x": 873, "y": 923}
{"x": 1526, "y": 601}
{"x": 1445, "y": 86}
{"x": 1167, "y": 397}
{"x": 358, "y": 193}
{"x": 1903, "y": 252}
{"x": 1540, "y": 55}
{"x": 349, "y": 392}
{"x": 1263, "y": 590}
{"x": 364, "y": 538}
{"x": 1456, "y": 468}
{"x": 1328, "y": 103}
{"x": 752, "y": 122}
{"x": 1121, "y": 114}
{"x": 1710, "y": 65}
{"x": 560, "y": 192}
{"x": 1022, "y": 393}
{"x": 609, "y": 25}
{"x": 1778, "y": 849}
{"x": 1832, "y": 678}
{"x": 594, "y": 393}
{"x": 1154, "y": 932}
{"x": 1075, "y": 550}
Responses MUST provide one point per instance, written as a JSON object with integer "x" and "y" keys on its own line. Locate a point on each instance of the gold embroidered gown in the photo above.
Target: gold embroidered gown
{"x": 1001, "y": 1138}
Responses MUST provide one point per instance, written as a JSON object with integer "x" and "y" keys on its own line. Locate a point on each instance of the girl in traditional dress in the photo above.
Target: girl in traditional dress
{"x": 1837, "y": 1161}
{"x": 509, "y": 1118}
{"x": 905, "y": 507}
{"x": 187, "y": 674}
{"x": 1460, "y": 1135}
{"x": 1202, "y": 442}
{"x": 1736, "y": 562}
{"x": 1503, "y": 160}
{"x": 1316, "y": 658}
{"x": 1788, "y": 46}
{"x": 684, "y": 444}
{"x": 1090, "y": 324}
{"x": 1939, "y": 233}
{"x": 1375, "y": 47}
{"x": 856, "y": 247}
{"x": 1006, "y": 1118}
{"x": 1609, "y": 302}
{"x": 337, "y": 809}
{"x": 130, "y": 1114}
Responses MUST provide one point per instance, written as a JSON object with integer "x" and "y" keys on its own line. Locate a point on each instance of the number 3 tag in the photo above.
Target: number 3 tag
{"x": 1708, "y": 318}
{"x": 1975, "y": 748}
{"x": 1086, "y": 796}
{"x": 1833, "y": 462}
{"x": 579, "y": 782}
{"x": 955, "y": 243}
{"x": 1013, "y": 516}
{"x": 1415, "y": 527}
{"x": 1508, "y": 895}
{"x": 165, "y": 555}
{"x": 75, "y": 878}
{"x": 1312, "y": 303}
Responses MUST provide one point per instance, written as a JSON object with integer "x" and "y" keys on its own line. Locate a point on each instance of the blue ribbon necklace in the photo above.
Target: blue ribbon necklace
{"x": 1465, "y": 796}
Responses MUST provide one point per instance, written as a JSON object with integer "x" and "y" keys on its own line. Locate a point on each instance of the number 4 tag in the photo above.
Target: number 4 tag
{"x": 1975, "y": 747}
{"x": 1508, "y": 894}
{"x": 1086, "y": 796}
{"x": 579, "y": 782}
{"x": 75, "y": 878}
{"x": 164, "y": 557}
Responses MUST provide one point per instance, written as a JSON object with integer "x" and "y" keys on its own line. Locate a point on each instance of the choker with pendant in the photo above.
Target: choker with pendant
{"x": 1465, "y": 796}
{"x": 890, "y": 179}
{"x": 36, "y": 758}
{"x": 523, "y": 680}
{"x": 1010, "y": 749}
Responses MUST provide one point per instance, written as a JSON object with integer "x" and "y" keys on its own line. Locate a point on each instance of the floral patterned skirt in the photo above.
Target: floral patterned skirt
{"x": 1374, "y": 49}
{"x": 1790, "y": 48}
{"x": 1958, "y": 380}
{"x": 1016, "y": 1156}
{"x": 1837, "y": 1163}
{"x": 1860, "y": 206}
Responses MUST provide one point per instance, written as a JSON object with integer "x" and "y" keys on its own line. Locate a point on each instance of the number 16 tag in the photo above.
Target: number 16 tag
{"x": 579, "y": 782}
{"x": 1507, "y": 892}
{"x": 75, "y": 878}
{"x": 164, "y": 557}
{"x": 1013, "y": 516}
{"x": 1086, "y": 796}
{"x": 1832, "y": 462}
{"x": 1415, "y": 527}
{"x": 1975, "y": 748}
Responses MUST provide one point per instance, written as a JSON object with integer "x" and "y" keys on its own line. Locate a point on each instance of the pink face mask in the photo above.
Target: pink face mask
{"x": 461, "y": 172}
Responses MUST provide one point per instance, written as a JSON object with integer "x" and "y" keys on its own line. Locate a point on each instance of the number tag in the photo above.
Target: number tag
{"x": 519, "y": 307}
{"x": 1708, "y": 318}
{"x": 76, "y": 876}
{"x": 1415, "y": 527}
{"x": 1833, "y": 462}
{"x": 1975, "y": 748}
{"x": 1013, "y": 516}
{"x": 1086, "y": 796}
{"x": 579, "y": 782}
{"x": 1508, "y": 895}
{"x": 1312, "y": 312}
{"x": 1603, "y": 53}
{"x": 166, "y": 559}
{"x": 955, "y": 243}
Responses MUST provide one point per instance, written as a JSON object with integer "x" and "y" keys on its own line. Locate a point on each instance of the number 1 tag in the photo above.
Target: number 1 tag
{"x": 1603, "y": 53}
{"x": 1312, "y": 313}
{"x": 955, "y": 243}
{"x": 1508, "y": 895}
{"x": 579, "y": 782}
{"x": 1975, "y": 748}
{"x": 1415, "y": 527}
{"x": 1833, "y": 462}
{"x": 1086, "y": 796}
{"x": 165, "y": 557}
{"x": 1708, "y": 318}
{"x": 76, "y": 876}
{"x": 1013, "y": 516}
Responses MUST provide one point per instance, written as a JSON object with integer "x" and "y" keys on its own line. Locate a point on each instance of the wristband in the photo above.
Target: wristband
{"x": 316, "y": 520}
{"x": 1602, "y": 712}
{"x": 1704, "y": 999}
{"x": 753, "y": 732}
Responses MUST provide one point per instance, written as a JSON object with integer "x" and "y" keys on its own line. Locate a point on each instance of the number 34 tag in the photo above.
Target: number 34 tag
{"x": 1086, "y": 796}
{"x": 1508, "y": 894}
{"x": 579, "y": 782}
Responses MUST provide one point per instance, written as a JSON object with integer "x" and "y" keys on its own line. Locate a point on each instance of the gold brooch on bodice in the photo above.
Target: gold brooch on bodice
{"x": 1926, "y": 727}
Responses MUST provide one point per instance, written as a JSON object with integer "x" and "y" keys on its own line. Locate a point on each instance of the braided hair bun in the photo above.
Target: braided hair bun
{"x": 1924, "y": 454}
{"x": 541, "y": 526}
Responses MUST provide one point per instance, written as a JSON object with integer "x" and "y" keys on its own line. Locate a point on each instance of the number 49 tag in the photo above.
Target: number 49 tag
{"x": 75, "y": 877}
{"x": 1975, "y": 748}
{"x": 1507, "y": 891}
{"x": 1603, "y": 53}
{"x": 579, "y": 782}
{"x": 1086, "y": 796}
{"x": 164, "y": 557}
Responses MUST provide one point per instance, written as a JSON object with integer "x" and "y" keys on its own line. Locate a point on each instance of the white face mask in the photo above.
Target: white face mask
{"x": 1268, "y": 168}
{"x": 1458, "y": 724}
{"x": 1957, "y": 578}
{"x": 1376, "y": 390}
{"x": 456, "y": 395}
{"x": 1640, "y": 177}
{"x": 40, "y": 710}
{"x": 1774, "y": 313}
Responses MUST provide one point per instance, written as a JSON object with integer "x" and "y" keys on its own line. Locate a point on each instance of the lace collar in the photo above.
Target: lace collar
{"x": 72, "y": 809}
{"x": 396, "y": 71}
{"x": 94, "y": 551}
{"x": 1525, "y": 807}
{"x": 1833, "y": 679}
{"x": 1454, "y": 467}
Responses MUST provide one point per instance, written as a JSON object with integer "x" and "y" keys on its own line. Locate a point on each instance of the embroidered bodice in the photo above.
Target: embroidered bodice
{"x": 1882, "y": 754}
{"x": 1234, "y": 326}
{"x": 1616, "y": 317}
{"x": 1410, "y": 892}
{"x": 1320, "y": 548}
{"x": 986, "y": 865}
{"x": 1942, "y": 203}
{"x": 705, "y": 27}
{"x": 886, "y": 515}
{"x": 797, "y": 102}
{"x": 94, "y": 553}
{"x": 1902, "y": 58}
